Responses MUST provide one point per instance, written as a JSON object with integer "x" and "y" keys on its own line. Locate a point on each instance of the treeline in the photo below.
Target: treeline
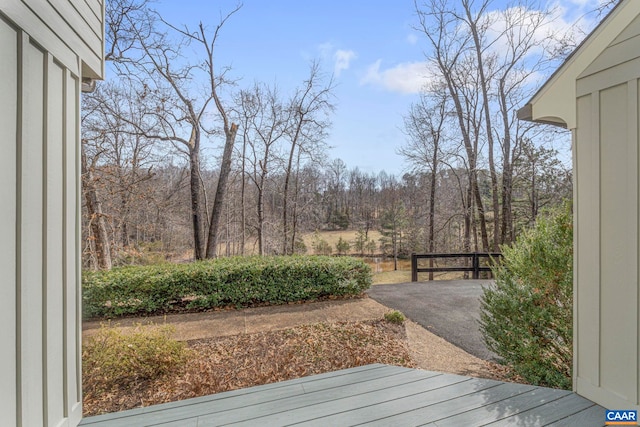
{"x": 146, "y": 211}
{"x": 178, "y": 159}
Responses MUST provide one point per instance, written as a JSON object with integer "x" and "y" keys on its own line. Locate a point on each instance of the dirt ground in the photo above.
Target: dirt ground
{"x": 428, "y": 351}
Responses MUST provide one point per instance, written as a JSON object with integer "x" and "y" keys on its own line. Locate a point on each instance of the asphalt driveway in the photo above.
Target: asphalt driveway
{"x": 449, "y": 309}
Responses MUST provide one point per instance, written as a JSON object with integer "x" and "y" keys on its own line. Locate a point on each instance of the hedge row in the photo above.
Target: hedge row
{"x": 239, "y": 281}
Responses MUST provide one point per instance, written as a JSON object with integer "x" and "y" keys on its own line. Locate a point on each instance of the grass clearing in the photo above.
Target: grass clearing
{"x": 332, "y": 238}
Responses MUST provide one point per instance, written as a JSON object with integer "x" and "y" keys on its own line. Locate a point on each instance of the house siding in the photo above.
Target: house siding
{"x": 587, "y": 262}
{"x": 607, "y": 293}
{"x": 71, "y": 31}
{"x": 47, "y": 48}
{"x": 8, "y": 135}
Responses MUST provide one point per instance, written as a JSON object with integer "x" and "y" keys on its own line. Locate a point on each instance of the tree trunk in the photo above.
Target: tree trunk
{"x": 471, "y": 154}
{"x": 243, "y": 212}
{"x": 489, "y": 129}
{"x": 96, "y": 218}
{"x": 481, "y": 215}
{"x": 221, "y": 189}
{"x": 260, "y": 221}
{"x": 195, "y": 192}
{"x": 432, "y": 206}
{"x": 507, "y": 172}
{"x": 287, "y": 179}
{"x": 294, "y": 213}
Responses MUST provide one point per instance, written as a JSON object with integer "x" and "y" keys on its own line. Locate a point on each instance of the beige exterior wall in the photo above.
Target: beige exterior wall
{"x": 607, "y": 292}
{"x": 46, "y": 48}
{"x": 71, "y": 30}
{"x": 606, "y": 266}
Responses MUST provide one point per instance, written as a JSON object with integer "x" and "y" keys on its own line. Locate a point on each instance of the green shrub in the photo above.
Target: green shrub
{"x": 371, "y": 247}
{"x": 114, "y": 359}
{"x": 342, "y": 246}
{"x": 299, "y": 248}
{"x": 526, "y": 316}
{"x": 239, "y": 281}
{"x": 394, "y": 317}
{"x": 322, "y": 247}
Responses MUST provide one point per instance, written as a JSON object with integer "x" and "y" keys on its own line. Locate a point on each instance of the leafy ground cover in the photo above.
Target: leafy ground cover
{"x": 221, "y": 364}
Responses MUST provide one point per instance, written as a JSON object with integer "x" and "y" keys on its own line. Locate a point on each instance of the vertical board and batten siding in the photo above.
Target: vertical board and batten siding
{"x": 607, "y": 297}
{"x": 47, "y": 47}
{"x": 8, "y": 194}
{"x": 69, "y": 30}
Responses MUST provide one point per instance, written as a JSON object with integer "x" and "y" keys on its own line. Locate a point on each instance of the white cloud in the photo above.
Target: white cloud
{"x": 560, "y": 22}
{"x": 407, "y": 77}
{"x": 325, "y": 50}
{"x": 342, "y": 60}
{"x": 412, "y": 39}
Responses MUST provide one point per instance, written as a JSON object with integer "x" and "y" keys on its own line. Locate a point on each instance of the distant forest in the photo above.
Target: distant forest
{"x": 154, "y": 184}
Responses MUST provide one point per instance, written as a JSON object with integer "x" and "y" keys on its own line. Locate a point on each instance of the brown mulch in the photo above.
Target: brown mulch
{"x": 228, "y": 363}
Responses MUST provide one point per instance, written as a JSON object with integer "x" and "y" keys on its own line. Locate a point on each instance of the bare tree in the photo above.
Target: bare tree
{"x": 99, "y": 237}
{"x": 488, "y": 60}
{"x": 424, "y": 126}
{"x": 265, "y": 117}
{"x": 121, "y": 17}
{"x": 308, "y": 110}
{"x": 450, "y": 46}
{"x": 477, "y": 23}
{"x": 177, "y": 108}
{"x": 523, "y": 55}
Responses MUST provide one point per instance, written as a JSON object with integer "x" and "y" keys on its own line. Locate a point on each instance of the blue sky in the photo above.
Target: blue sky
{"x": 369, "y": 46}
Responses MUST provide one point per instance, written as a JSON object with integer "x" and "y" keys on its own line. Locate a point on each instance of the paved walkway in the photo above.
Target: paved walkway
{"x": 427, "y": 350}
{"x": 448, "y": 308}
{"x": 193, "y": 326}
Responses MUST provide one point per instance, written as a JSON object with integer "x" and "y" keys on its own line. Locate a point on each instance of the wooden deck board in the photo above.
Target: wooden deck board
{"x": 454, "y": 404}
{"x": 244, "y": 397}
{"x": 371, "y": 395}
{"x": 390, "y": 408}
{"x": 591, "y": 417}
{"x": 360, "y": 398}
{"x": 326, "y": 400}
{"x": 546, "y": 414}
{"x": 505, "y": 408}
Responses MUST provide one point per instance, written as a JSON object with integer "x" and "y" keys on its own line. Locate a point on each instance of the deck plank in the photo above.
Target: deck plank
{"x": 184, "y": 422}
{"x": 372, "y": 395}
{"x": 455, "y": 404}
{"x": 590, "y": 417}
{"x": 375, "y": 411}
{"x": 307, "y": 406}
{"x": 365, "y": 398}
{"x": 543, "y": 415}
{"x": 505, "y": 408}
{"x": 168, "y": 412}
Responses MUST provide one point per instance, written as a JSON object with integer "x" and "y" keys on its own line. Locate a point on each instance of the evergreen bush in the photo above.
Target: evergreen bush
{"x": 342, "y": 246}
{"x": 527, "y": 315}
{"x": 237, "y": 281}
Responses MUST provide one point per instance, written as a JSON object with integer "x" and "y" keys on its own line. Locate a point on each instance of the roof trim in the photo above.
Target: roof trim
{"x": 526, "y": 113}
